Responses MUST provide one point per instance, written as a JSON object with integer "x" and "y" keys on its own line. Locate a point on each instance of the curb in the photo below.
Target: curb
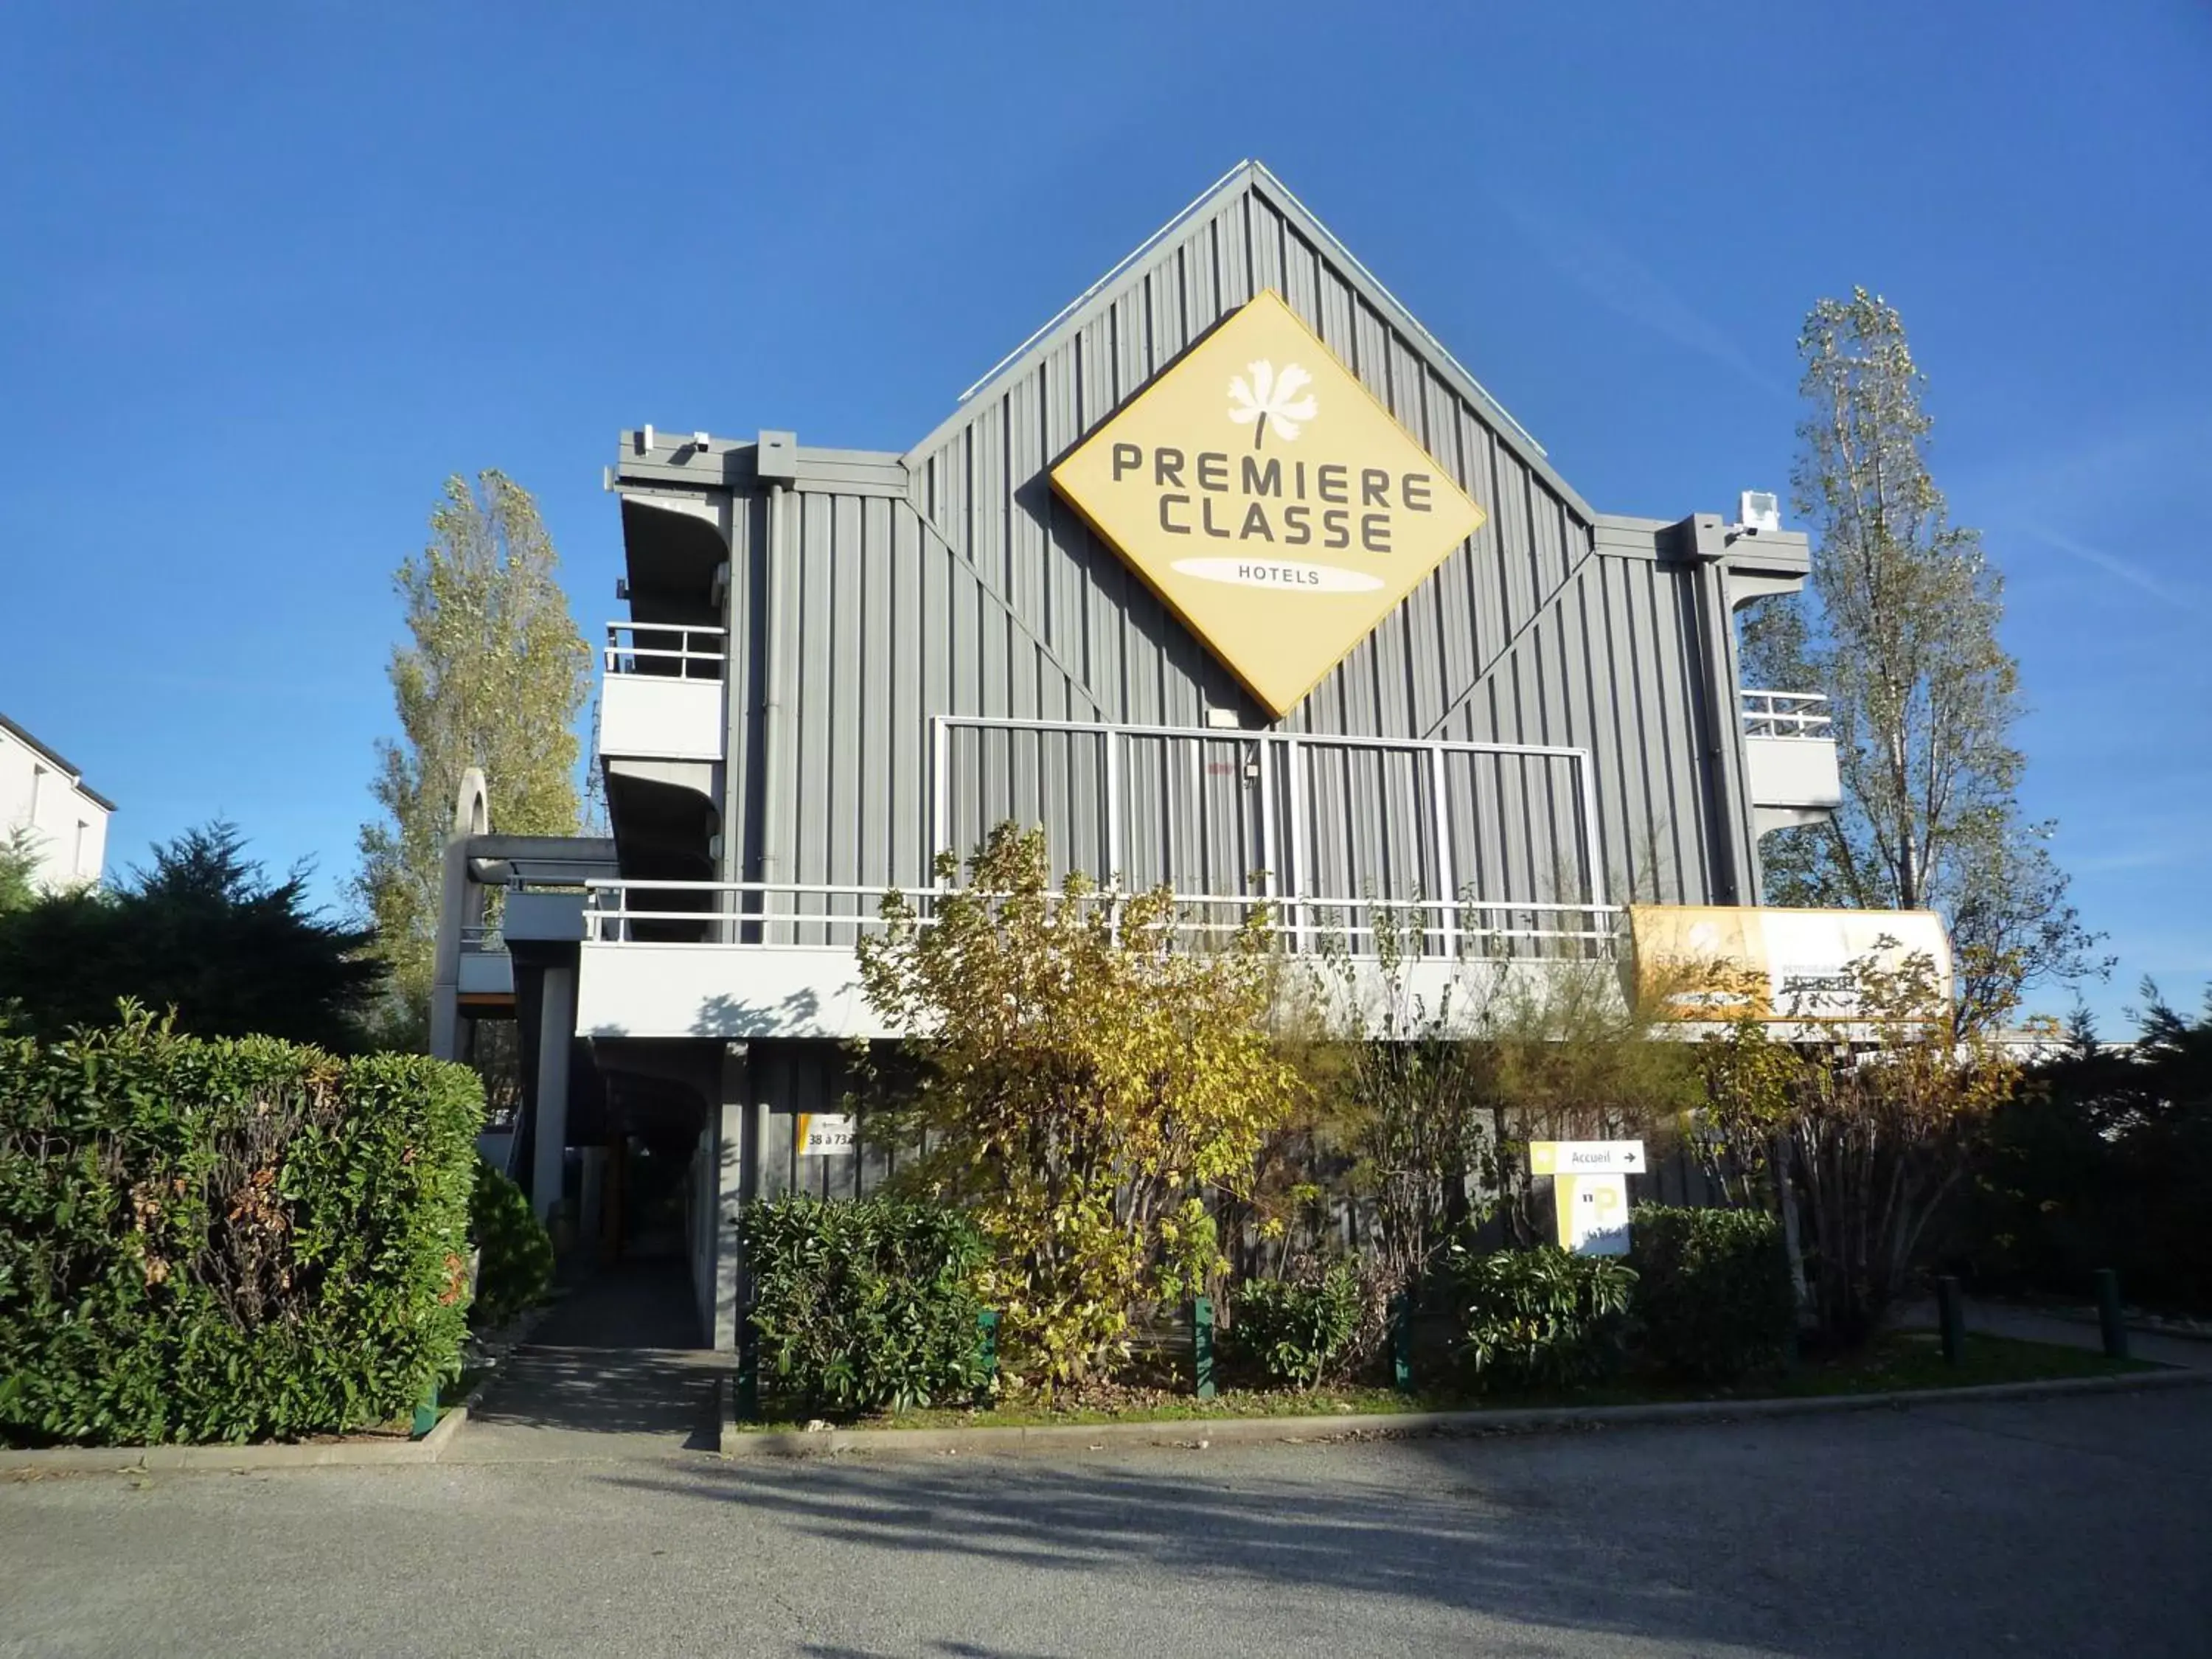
{"x": 1199, "y": 1433}
{"x": 235, "y": 1460}
{"x": 275, "y": 1455}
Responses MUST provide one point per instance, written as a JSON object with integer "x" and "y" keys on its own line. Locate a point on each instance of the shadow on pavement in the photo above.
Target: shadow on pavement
{"x": 607, "y": 1391}
{"x": 618, "y": 1355}
{"x": 1424, "y": 1540}
{"x": 2034, "y": 1526}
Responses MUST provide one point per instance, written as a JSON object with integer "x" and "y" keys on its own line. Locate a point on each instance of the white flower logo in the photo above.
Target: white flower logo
{"x": 1269, "y": 400}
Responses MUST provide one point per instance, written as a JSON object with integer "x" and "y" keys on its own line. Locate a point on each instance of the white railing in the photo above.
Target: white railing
{"x": 1787, "y": 715}
{"x": 815, "y": 916}
{"x": 669, "y": 649}
{"x": 1285, "y": 775}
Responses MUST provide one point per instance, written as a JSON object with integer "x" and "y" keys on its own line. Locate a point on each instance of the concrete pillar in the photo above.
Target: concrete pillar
{"x": 556, "y": 1033}
{"x": 453, "y": 902}
{"x": 591, "y": 1204}
{"x": 736, "y": 1156}
{"x": 461, "y": 905}
{"x": 1702, "y": 539}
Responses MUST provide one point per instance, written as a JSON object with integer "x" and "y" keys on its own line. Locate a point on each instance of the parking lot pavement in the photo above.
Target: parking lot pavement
{"x": 2075, "y": 1527}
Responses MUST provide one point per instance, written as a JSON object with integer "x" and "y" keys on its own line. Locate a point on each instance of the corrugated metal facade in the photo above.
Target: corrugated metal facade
{"x": 978, "y": 592}
{"x": 924, "y": 645}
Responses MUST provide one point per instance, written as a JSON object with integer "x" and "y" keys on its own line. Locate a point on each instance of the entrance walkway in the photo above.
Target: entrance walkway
{"x": 616, "y": 1372}
{"x": 2061, "y": 1330}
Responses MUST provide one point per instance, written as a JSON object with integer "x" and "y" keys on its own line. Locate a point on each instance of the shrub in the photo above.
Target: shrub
{"x": 1297, "y": 1330}
{"x": 860, "y": 1306}
{"x": 1082, "y": 1082}
{"x": 1541, "y": 1317}
{"x": 228, "y": 1239}
{"x": 514, "y": 1265}
{"x": 1713, "y": 1298}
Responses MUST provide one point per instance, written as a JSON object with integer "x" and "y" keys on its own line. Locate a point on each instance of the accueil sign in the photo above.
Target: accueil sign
{"x": 1590, "y": 1190}
{"x": 1274, "y": 505}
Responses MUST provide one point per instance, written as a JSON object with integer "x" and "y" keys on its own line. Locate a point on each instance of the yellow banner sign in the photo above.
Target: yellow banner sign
{"x": 1716, "y": 963}
{"x": 1266, "y": 497}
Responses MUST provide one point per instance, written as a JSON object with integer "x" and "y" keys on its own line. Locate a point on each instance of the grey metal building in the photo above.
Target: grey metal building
{"x": 837, "y": 663}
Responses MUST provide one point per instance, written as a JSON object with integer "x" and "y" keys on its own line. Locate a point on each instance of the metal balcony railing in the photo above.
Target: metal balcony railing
{"x": 667, "y": 650}
{"x": 804, "y": 915}
{"x": 1787, "y": 715}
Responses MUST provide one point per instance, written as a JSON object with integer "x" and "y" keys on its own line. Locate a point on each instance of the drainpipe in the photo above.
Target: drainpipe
{"x": 771, "y": 853}
{"x": 775, "y": 469}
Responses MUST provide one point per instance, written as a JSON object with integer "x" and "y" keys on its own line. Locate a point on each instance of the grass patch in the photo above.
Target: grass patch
{"x": 1899, "y": 1362}
{"x": 1914, "y": 1359}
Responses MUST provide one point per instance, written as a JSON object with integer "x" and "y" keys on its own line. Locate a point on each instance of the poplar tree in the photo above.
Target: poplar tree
{"x": 492, "y": 675}
{"x": 1901, "y": 632}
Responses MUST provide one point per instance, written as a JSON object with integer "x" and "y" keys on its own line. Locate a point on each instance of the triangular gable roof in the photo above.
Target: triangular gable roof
{"x": 1251, "y": 179}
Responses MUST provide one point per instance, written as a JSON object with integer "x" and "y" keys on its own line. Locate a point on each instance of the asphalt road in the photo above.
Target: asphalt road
{"x": 2073, "y": 1526}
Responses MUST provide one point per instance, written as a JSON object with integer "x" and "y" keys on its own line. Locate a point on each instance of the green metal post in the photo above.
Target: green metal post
{"x": 1401, "y": 1343}
{"x": 1951, "y": 1310}
{"x": 987, "y": 1356}
{"x": 2109, "y": 1318}
{"x": 1201, "y": 1345}
{"x": 426, "y": 1415}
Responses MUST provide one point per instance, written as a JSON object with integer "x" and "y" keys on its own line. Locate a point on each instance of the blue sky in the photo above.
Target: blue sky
{"x": 268, "y": 275}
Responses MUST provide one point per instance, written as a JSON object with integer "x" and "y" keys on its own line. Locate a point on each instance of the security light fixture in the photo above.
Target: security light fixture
{"x": 1222, "y": 719}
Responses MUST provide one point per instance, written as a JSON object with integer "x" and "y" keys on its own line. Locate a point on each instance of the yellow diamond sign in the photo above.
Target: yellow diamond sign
{"x": 1269, "y": 499}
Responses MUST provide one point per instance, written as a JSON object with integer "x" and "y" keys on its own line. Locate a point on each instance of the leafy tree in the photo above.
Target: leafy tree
{"x": 1405, "y": 1095}
{"x": 205, "y": 931}
{"x": 1903, "y": 636}
{"x": 493, "y": 676}
{"x": 19, "y": 866}
{"x": 1082, "y": 1082}
{"x": 1870, "y": 1139}
{"x": 1434, "y": 1102}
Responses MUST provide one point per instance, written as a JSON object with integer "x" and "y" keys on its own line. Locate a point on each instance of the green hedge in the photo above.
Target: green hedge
{"x": 1541, "y": 1317}
{"x": 862, "y": 1306}
{"x": 514, "y": 1267}
{"x": 1713, "y": 1298}
{"x": 1296, "y": 1330}
{"x": 226, "y": 1240}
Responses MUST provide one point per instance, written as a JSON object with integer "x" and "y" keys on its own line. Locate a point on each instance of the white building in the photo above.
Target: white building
{"x": 68, "y": 820}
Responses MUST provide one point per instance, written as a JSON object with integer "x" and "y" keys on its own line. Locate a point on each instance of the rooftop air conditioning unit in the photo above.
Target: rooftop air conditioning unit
{"x": 1760, "y": 512}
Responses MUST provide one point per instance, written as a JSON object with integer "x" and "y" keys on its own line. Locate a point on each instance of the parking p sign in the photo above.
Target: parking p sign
{"x": 1590, "y": 1190}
